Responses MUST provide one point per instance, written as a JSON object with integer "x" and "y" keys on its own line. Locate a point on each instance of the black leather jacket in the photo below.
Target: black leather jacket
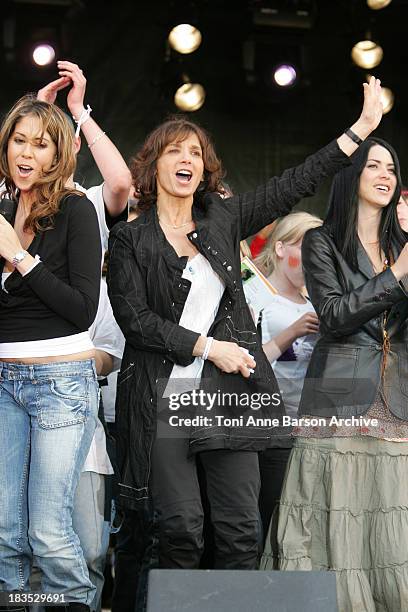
{"x": 148, "y": 294}
{"x": 346, "y": 368}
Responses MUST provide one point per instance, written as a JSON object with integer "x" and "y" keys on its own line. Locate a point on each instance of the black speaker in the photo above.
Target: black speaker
{"x": 241, "y": 591}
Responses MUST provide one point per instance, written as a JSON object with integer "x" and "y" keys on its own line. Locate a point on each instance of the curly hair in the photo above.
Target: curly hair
{"x": 176, "y": 129}
{"x": 50, "y": 188}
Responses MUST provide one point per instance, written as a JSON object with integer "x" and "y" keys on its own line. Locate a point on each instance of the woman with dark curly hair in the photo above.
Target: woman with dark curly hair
{"x": 176, "y": 292}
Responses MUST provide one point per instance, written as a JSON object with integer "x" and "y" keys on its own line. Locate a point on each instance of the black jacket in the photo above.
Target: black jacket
{"x": 148, "y": 293}
{"x": 345, "y": 370}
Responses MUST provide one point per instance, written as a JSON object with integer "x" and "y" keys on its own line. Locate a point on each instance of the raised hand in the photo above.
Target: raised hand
{"x": 372, "y": 107}
{"x": 75, "y": 98}
{"x": 49, "y": 92}
{"x": 369, "y": 119}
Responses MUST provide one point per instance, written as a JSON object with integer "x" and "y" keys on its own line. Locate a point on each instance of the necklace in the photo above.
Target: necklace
{"x": 175, "y": 226}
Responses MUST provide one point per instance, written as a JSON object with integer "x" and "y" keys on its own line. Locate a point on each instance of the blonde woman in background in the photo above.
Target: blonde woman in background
{"x": 289, "y": 332}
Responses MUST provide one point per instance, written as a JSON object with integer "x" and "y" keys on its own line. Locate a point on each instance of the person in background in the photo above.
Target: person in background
{"x": 289, "y": 332}
{"x": 110, "y": 200}
{"x": 49, "y": 294}
{"x": 402, "y": 210}
{"x": 92, "y": 511}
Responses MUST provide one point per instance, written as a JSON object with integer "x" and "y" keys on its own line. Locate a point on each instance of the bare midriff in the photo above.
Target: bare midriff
{"x": 82, "y": 356}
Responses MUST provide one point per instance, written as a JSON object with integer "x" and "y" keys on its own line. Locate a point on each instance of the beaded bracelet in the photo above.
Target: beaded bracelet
{"x": 95, "y": 140}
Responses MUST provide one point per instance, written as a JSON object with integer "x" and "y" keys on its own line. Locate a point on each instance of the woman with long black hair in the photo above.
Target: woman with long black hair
{"x": 344, "y": 506}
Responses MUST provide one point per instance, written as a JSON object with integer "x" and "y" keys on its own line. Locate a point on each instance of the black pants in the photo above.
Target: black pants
{"x": 134, "y": 557}
{"x": 272, "y": 467}
{"x": 232, "y": 479}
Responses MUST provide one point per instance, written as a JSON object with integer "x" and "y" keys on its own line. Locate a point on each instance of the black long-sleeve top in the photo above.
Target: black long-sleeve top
{"x": 59, "y": 297}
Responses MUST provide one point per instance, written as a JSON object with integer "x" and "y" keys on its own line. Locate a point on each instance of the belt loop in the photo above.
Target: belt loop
{"x": 1, "y": 370}
{"x": 31, "y": 372}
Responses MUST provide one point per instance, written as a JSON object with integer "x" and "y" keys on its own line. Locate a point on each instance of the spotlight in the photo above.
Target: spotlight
{"x": 367, "y": 54}
{"x": 285, "y": 75}
{"x": 376, "y": 5}
{"x": 387, "y": 99}
{"x": 185, "y": 38}
{"x": 43, "y": 54}
{"x": 189, "y": 97}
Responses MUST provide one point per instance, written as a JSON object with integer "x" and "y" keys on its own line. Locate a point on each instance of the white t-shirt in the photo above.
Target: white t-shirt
{"x": 290, "y": 368}
{"x": 95, "y": 195}
{"x": 199, "y": 312}
{"x": 105, "y": 334}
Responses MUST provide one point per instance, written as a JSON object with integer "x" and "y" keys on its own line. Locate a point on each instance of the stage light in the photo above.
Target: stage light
{"x": 367, "y": 54}
{"x": 285, "y": 75}
{"x": 185, "y": 38}
{"x": 43, "y": 54}
{"x": 387, "y": 99}
{"x": 376, "y": 5}
{"x": 189, "y": 97}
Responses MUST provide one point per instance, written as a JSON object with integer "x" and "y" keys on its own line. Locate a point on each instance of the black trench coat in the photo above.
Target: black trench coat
{"x": 148, "y": 293}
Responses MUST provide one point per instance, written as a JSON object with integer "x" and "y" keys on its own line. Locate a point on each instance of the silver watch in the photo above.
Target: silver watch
{"x": 18, "y": 257}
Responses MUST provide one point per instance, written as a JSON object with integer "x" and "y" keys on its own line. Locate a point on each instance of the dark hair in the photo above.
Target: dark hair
{"x": 342, "y": 214}
{"x": 143, "y": 164}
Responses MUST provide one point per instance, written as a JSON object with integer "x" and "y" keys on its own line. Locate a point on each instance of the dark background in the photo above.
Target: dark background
{"x": 258, "y": 130}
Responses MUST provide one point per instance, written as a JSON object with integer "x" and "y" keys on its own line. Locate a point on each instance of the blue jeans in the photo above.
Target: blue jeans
{"x": 47, "y": 419}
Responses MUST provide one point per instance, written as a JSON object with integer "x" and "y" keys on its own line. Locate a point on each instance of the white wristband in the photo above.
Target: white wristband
{"x": 84, "y": 117}
{"x": 37, "y": 260}
{"x": 207, "y": 348}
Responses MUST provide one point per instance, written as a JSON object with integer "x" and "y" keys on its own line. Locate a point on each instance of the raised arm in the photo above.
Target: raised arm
{"x": 276, "y": 198}
{"x": 112, "y": 166}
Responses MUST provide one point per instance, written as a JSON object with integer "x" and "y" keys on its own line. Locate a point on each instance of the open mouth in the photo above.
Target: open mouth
{"x": 184, "y": 176}
{"x": 382, "y": 188}
{"x": 24, "y": 170}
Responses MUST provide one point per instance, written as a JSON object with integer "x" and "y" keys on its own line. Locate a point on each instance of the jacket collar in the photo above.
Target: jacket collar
{"x": 364, "y": 263}
{"x": 217, "y": 254}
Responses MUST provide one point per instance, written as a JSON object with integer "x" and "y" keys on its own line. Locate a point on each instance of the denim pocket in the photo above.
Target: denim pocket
{"x": 63, "y": 401}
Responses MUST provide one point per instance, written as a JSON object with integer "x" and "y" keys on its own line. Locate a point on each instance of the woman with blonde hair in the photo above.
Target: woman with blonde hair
{"x": 289, "y": 332}
{"x": 50, "y": 260}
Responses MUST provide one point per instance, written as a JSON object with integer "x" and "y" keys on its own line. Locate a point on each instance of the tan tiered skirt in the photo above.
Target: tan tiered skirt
{"x": 344, "y": 507}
